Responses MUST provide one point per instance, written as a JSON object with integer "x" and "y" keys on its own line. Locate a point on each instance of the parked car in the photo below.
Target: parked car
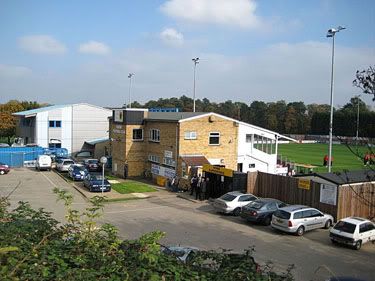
{"x": 81, "y": 156}
{"x": 232, "y": 202}
{"x": 298, "y": 219}
{"x": 77, "y": 172}
{"x": 4, "y": 169}
{"x": 64, "y": 164}
{"x": 353, "y": 231}
{"x": 94, "y": 182}
{"x": 43, "y": 162}
{"x": 261, "y": 210}
{"x": 92, "y": 165}
{"x": 183, "y": 254}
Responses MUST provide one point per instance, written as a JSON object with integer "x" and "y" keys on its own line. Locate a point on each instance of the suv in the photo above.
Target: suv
{"x": 232, "y": 202}
{"x": 353, "y": 231}
{"x": 298, "y": 219}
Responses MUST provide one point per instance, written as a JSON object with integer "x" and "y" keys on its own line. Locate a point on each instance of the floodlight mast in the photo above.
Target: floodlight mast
{"x": 196, "y": 61}
{"x": 331, "y": 34}
{"x": 130, "y": 85}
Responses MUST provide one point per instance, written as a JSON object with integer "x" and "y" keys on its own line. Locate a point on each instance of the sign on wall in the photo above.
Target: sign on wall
{"x": 218, "y": 170}
{"x": 168, "y": 154}
{"x": 119, "y": 116}
{"x": 304, "y": 184}
{"x": 162, "y": 171}
{"x": 328, "y": 194}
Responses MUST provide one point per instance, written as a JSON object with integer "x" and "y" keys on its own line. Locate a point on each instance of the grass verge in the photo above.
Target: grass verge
{"x": 130, "y": 186}
{"x": 122, "y": 199}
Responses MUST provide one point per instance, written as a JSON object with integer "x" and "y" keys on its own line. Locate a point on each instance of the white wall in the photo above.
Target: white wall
{"x": 41, "y": 126}
{"x": 66, "y": 128}
{"x": 247, "y": 154}
{"x": 89, "y": 122}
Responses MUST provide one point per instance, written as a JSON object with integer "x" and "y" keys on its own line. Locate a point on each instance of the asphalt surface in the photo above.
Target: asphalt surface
{"x": 196, "y": 224}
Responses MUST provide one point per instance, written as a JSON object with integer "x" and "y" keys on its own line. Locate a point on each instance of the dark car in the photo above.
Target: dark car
{"x": 81, "y": 156}
{"x": 77, "y": 172}
{"x": 4, "y": 169}
{"x": 94, "y": 183}
{"x": 92, "y": 165}
{"x": 261, "y": 210}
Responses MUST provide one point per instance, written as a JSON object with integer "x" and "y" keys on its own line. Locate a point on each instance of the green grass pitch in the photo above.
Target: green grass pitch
{"x": 313, "y": 154}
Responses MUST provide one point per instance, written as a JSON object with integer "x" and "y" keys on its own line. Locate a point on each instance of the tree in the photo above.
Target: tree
{"x": 365, "y": 80}
{"x": 258, "y": 113}
{"x": 291, "y": 121}
{"x": 352, "y": 106}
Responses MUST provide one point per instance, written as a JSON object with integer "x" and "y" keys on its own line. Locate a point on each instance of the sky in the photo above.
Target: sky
{"x": 82, "y": 51}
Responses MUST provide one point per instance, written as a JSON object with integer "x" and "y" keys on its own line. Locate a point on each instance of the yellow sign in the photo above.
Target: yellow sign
{"x": 217, "y": 170}
{"x": 304, "y": 184}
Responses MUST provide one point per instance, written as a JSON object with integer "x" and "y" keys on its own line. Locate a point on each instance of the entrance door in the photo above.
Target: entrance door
{"x": 239, "y": 167}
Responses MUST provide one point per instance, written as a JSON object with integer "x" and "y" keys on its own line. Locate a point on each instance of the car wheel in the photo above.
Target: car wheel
{"x": 237, "y": 212}
{"x": 300, "y": 231}
{"x": 358, "y": 245}
{"x": 328, "y": 224}
{"x": 267, "y": 221}
{"x": 333, "y": 241}
{"x": 2, "y": 172}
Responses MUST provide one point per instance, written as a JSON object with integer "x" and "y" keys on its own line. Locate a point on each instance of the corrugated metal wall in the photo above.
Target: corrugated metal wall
{"x": 16, "y": 156}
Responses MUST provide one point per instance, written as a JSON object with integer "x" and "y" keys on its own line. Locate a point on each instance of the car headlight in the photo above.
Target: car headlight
{"x": 95, "y": 185}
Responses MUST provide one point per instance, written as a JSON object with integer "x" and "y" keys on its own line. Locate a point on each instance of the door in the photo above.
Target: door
{"x": 366, "y": 232}
{"x": 319, "y": 219}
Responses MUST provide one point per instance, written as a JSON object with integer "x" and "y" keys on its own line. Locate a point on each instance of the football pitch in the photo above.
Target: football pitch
{"x": 313, "y": 154}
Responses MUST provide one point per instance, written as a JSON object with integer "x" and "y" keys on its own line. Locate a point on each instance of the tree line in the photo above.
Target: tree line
{"x": 283, "y": 117}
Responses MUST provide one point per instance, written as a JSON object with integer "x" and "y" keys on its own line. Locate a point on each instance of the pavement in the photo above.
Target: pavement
{"x": 189, "y": 222}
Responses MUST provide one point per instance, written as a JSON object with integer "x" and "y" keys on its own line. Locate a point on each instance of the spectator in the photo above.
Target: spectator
{"x": 193, "y": 184}
{"x": 203, "y": 190}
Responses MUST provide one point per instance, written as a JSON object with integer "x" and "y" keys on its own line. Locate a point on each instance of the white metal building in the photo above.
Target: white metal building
{"x": 67, "y": 126}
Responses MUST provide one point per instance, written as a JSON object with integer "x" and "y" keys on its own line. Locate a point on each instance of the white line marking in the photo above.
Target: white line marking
{"x": 53, "y": 184}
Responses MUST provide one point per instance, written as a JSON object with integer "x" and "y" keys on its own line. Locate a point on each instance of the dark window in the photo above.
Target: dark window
{"x": 246, "y": 198}
{"x": 271, "y": 206}
{"x": 58, "y": 124}
{"x": 54, "y": 124}
{"x": 363, "y": 228}
{"x": 214, "y": 139}
{"x": 255, "y": 204}
{"x": 315, "y": 213}
{"x": 297, "y": 215}
{"x": 248, "y": 138}
{"x": 281, "y": 205}
{"x": 137, "y": 134}
{"x": 345, "y": 227}
{"x": 282, "y": 214}
{"x": 370, "y": 226}
{"x": 228, "y": 197}
{"x": 307, "y": 214}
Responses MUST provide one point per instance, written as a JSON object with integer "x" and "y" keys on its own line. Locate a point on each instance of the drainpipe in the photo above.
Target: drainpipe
{"x": 177, "y": 138}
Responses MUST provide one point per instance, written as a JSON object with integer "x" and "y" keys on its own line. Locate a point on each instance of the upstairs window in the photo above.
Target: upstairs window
{"x": 137, "y": 134}
{"x": 155, "y": 135}
{"x": 214, "y": 138}
{"x": 190, "y": 135}
{"x": 54, "y": 124}
{"x": 248, "y": 138}
{"x": 154, "y": 158}
{"x": 169, "y": 162}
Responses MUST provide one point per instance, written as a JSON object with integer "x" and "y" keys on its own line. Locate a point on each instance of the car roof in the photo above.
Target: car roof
{"x": 293, "y": 208}
{"x": 266, "y": 200}
{"x": 235, "y": 193}
{"x": 355, "y": 220}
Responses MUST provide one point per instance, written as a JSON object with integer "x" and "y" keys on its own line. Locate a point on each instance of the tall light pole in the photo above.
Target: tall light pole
{"x": 196, "y": 61}
{"x": 331, "y": 33}
{"x": 130, "y": 86}
{"x": 356, "y": 136}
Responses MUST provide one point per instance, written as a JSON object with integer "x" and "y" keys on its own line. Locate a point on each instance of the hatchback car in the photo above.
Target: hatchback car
{"x": 232, "y": 202}
{"x": 92, "y": 165}
{"x": 4, "y": 169}
{"x": 64, "y": 164}
{"x": 353, "y": 231}
{"x": 261, "y": 210}
{"x": 77, "y": 172}
{"x": 96, "y": 183}
{"x": 298, "y": 219}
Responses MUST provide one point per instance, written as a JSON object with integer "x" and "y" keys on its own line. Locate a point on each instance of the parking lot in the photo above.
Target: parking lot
{"x": 196, "y": 224}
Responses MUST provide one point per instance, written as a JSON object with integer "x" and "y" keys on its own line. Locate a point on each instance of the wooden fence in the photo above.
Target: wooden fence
{"x": 353, "y": 200}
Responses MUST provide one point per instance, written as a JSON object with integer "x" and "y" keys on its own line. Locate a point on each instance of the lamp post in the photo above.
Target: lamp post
{"x": 130, "y": 85}
{"x": 196, "y": 61}
{"x": 331, "y": 33}
{"x": 103, "y": 160}
{"x": 356, "y": 136}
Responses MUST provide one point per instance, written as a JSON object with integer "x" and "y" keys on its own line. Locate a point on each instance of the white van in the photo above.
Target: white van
{"x": 43, "y": 162}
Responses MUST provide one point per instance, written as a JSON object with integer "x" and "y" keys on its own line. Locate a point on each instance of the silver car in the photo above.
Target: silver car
{"x": 298, "y": 219}
{"x": 232, "y": 202}
{"x": 64, "y": 164}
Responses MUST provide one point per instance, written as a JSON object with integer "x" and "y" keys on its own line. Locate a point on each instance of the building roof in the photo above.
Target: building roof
{"x": 95, "y": 141}
{"x": 349, "y": 177}
{"x": 172, "y": 116}
{"x": 51, "y": 107}
{"x": 195, "y": 161}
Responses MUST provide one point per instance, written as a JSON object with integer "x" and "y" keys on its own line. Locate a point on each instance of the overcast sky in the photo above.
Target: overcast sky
{"x": 82, "y": 51}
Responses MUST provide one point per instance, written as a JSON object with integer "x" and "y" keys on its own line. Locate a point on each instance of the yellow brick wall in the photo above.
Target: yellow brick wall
{"x": 117, "y": 134}
{"x": 135, "y": 152}
{"x": 226, "y": 150}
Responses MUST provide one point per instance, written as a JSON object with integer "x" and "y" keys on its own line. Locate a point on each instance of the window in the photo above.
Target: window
{"x": 264, "y": 144}
{"x": 272, "y": 206}
{"x": 137, "y": 134}
{"x": 154, "y": 158}
{"x": 169, "y": 162}
{"x": 297, "y": 215}
{"x": 190, "y": 135}
{"x": 54, "y": 124}
{"x": 244, "y": 198}
{"x": 248, "y": 137}
{"x": 214, "y": 138}
{"x": 307, "y": 214}
{"x": 155, "y": 135}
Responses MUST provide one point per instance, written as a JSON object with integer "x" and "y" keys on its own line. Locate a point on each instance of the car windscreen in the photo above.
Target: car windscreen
{"x": 255, "y": 205}
{"x": 92, "y": 161}
{"x": 345, "y": 227}
{"x": 78, "y": 168}
{"x": 68, "y": 162}
{"x": 97, "y": 177}
{"x": 228, "y": 197}
{"x": 282, "y": 214}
